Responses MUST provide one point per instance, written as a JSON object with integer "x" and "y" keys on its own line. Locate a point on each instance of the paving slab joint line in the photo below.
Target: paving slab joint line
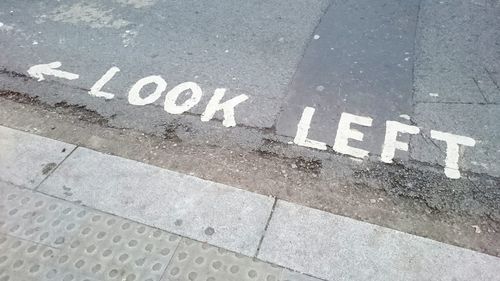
{"x": 183, "y": 238}
{"x": 55, "y": 168}
{"x": 267, "y": 225}
{"x": 174, "y": 254}
{"x": 29, "y": 241}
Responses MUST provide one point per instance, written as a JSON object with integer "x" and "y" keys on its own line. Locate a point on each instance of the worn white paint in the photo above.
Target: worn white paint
{"x": 227, "y": 107}
{"x": 434, "y": 94}
{"x": 172, "y": 96}
{"x": 391, "y": 142}
{"x": 6, "y": 27}
{"x": 452, "y": 151}
{"x": 38, "y": 71}
{"x": 128, "y": 37}
{"x": 357, "y": 160}
{"x": 303, "y": 130}
{"x": 137, "y": 3}
{"x": 89, "y": 13}
{"x": 134, "y": 95}
{"x": 344, "y": 133}
{"x": 405, "y": 116}
{"x": 96, "y": 90}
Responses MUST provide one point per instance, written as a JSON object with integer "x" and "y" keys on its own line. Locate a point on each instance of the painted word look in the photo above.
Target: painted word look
{"x": 172, "y": 96}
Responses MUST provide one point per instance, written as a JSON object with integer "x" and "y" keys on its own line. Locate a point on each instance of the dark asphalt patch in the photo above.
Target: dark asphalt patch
{"x": 361, "y": 64}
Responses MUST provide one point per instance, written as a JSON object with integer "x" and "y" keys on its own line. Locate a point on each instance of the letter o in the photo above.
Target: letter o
{"x": 134, "y": 96}
{"x": 173, "y": 95}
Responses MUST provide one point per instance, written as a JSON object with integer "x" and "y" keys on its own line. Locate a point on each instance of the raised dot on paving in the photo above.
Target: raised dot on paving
{"x": 50, "y": 239}
{"x": 200, "y": 261}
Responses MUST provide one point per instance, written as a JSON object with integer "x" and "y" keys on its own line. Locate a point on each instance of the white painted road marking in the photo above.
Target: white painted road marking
{"x": 391, "y": 142}
{"x": 303, "y": 130}
{"x": 452, "y": 151}
{"x": 173, "y": 95}
{"x": 38, "y": 71}
{"x": 134, "y": 96}
{"x": 96, "y": 90}
{"x": 344, "y": 131}
{"x": 393, "y": 128}
{"x": 227, "y": 107}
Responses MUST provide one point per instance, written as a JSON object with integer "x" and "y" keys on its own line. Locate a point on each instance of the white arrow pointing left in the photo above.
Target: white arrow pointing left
{"x": 38, "y": 71}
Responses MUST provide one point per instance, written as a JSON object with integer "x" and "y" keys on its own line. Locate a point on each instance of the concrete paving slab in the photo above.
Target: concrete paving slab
{"x": 479, "y": 122}
{"x": 338, "y": 248}
{"x": 197, "y": 261}
{"x": 27, "y": 159}
{"x": 361, "y": 63}
{"x": 457, "y": 52}
{"x": 289, "y": 275}
{"x": 249, "y": 47}
{"x": 44, "y": 238}
{"x": 221, "y": 215}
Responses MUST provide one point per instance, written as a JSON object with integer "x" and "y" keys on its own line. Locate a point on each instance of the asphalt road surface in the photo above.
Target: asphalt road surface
{"x": 389, "y": 99}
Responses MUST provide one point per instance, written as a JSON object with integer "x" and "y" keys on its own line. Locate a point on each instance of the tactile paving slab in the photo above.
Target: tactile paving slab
{"x": 43, "y": 238}
{"x": 200, "y": 261}
{"x": 27, "y": 159}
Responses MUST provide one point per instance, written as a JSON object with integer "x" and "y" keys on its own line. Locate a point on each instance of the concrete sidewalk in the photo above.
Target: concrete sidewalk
{"x": 70, "y": 213}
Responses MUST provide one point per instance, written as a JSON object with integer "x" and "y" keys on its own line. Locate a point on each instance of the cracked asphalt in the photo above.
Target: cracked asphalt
{"x": 430, "y": 64}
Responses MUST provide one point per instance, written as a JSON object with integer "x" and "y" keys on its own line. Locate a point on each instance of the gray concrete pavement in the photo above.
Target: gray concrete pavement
{"x": 214, "y": 213}
{"x": 279, "y": 57}
{"x": 43, "y": 237}
{"x": 336, "y": 248}
{"x": 207, "y": 211}
{"x": 28, "y": 161}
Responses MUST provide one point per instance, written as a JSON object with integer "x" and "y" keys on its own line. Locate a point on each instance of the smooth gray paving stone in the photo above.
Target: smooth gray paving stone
{"x": 26, "y": 159}
{"x": 221, "y": 215}
{"x": 339, "y": 248}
